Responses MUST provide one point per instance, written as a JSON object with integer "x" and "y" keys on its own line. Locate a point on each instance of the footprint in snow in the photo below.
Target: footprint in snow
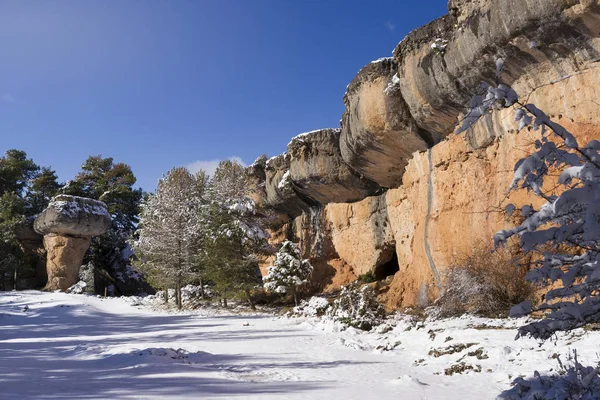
{"x": 408, "y": 380}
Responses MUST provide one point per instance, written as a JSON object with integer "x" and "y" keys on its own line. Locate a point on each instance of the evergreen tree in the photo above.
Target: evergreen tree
{"x": 16, "y": 170}
{"x": 169, "y": 230}
{"x": 44, "y": 185}
{"x": 289, "y": 272}
{"x": 12, "y": 210}
{"x": 235, "y": 236}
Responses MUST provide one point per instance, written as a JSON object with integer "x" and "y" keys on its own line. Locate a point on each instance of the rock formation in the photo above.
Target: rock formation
{"x": 32, "y": 245}
{"x": 68, "y": 225}
{"x": 395, "y": 190}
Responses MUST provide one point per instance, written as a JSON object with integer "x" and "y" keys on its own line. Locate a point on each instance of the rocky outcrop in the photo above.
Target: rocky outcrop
{"x": 378, "y": 133}
{"x": 540, "y": 41}
{"x": 68, "y": 224}
{"x": 445, "y": 191}
{"x": 281, "y": 195}
{"x": 467, "y": 177}
{"x": 319, "y": 173}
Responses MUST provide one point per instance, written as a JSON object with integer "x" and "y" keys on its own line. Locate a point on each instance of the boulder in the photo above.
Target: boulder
{"x": 318, "y": 171}
{"x": 378, "y": 133}
{"x": 68, "y": 224}
{"x": 73, "y": 216}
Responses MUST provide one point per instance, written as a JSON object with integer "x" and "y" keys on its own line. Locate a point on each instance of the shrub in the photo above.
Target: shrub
{"x": 357, "y": 307}
{"x": 486, "y": 283}
{"x": 570, "y": 382}
{"x": 367, "y": 277}
{"x": 316, "y": 306}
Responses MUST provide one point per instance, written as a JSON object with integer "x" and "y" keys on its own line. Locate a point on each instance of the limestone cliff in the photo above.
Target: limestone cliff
{"x": 395, "y": 192}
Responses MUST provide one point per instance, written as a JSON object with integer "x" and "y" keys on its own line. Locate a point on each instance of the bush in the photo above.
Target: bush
{"x": 485, "y": 283}
{"x": 570, "y": 382}
{"x": 314, "y": 307}
{"x": 369, "y": 277}
{"x": 357, "y": 307}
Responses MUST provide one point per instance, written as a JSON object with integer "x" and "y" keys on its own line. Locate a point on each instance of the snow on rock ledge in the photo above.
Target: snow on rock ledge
{"x": 73, "y": 216}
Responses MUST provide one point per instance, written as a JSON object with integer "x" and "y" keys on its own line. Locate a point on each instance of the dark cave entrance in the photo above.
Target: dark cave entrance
{"x": 387, "y": 269}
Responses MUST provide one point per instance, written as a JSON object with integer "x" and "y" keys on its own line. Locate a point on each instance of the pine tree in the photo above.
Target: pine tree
{"x": 235, "y": 237}
{"x": 16, "y": 170}
{"x": 289, "y": 272}
{"x": 170, "y": 225}
{"x": 43, "y": 187}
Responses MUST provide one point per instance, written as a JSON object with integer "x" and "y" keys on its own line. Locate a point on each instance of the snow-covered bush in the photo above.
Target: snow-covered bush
{"x": 357, "y": 307}
{"x": 570, "y": 382}
{"x": 314, "y": 307}
{"x": 484, "y": 283}
{"x": 289, "y": 271}
{"x": 565, "y": 231}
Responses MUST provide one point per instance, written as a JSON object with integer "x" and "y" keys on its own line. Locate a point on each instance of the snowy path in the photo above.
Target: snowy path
{"x": 75, "y": 347}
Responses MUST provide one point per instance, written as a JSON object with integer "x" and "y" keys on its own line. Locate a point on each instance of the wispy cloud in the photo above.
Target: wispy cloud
{"x": 210, "y": 166}
{"x": 8, "y": 98}
{"x": 390, "y": 26}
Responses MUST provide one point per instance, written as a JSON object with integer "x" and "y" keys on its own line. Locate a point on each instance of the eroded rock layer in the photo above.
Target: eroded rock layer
{"x": 445, "y": 191}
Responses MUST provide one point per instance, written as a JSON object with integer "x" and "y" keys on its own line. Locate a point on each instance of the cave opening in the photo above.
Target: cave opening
{"x": 387, "y": 269}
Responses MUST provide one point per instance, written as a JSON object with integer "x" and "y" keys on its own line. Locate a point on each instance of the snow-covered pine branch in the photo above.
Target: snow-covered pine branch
{"x": 569, "y": 220}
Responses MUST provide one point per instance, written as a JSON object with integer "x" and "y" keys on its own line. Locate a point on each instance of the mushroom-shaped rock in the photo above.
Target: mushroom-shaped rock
{"x": 378, "y": 133}
{"x": 319, "y": 172}
{"x": 68, "y": 225}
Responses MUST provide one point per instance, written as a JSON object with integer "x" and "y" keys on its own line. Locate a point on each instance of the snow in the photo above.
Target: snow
{"x": 74, "y": 208}
{"x": 285, "y": 180}
{"x": 66, "y": 346}
{"x": 393, "y": 85}
{"x": 382, "y": 59}
{"x": 305, "y": 135}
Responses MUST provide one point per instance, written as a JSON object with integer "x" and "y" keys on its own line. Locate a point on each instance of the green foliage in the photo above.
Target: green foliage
{"x": 170, "y": 230}
{"x": 12, "y": 259}
{"x": 233, "y": 237}
{"x": 43, "y": 187}
{"x": 16, "y": 170}
{"x": 368, "y": 277}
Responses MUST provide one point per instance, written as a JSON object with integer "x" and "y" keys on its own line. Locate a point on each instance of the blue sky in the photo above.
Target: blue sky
{"x": 158, "y": 84}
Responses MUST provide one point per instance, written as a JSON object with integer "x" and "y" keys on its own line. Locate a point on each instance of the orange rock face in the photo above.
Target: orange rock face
{"x": 468, "y": 177}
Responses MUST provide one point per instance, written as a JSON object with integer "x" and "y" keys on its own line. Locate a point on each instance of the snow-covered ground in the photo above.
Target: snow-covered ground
{"x": 63, "y": 346}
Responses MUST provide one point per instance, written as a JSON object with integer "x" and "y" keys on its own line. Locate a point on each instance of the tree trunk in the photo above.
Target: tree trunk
{"x": 179, "y": 301}
{"x": 201, "y": 289}
{"x": 250, "y": 302}
{"x": 224, "y": 302}
{"x": 166, "y": 295}
{"x": 295, "y": 296}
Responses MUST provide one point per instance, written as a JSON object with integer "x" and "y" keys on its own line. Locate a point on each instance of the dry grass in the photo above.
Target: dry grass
{"x": 486, "y": 283}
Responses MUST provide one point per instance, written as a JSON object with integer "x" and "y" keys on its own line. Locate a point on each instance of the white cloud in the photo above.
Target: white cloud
{"x": 210, "y": 166}
{"x": 390, "y": 26}
{"x": 8, "y": 98}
